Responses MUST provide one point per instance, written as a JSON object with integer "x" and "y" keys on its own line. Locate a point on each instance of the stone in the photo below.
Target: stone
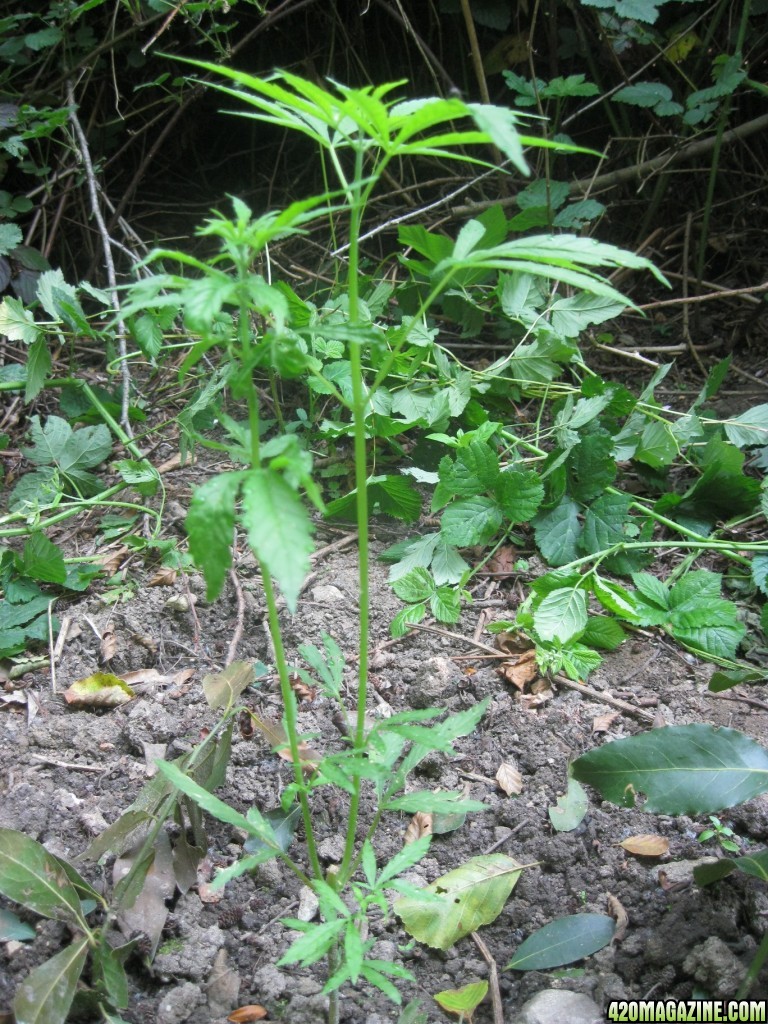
{"x": 435, "y": 681}
{"x": 714, "y": 964}
{"x": 178, "y": 1004}
{"x": 559, "y": 1006}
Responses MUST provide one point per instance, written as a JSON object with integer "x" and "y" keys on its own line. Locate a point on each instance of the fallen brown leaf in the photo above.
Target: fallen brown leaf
{"x": 619, "y": 914}
{"x": 275, "y": 735}
{"x": 247, "y": 1014}
{"x": 503, "y": 562}
{"x": 602, "y": 723}
{"x": 510, "y": 642}
{"x": 108, "y": 647}
{"x": 419, "y": 825}
{"x": 300, "y": 688}
{"x": 164, "y": 577}
{"x": 646, "y": 845}
{"x": 509, "y": 779}
{"x": 111, "y": 560}
{"x": 520, "y": 672}
{"x": 100, "y": 690}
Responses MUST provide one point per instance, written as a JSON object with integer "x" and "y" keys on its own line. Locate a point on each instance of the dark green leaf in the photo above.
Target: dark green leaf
{"x": 563, "y": 941}
{"x": 557, "y": 533}
{"x": 210, "y": 525}
{"x": 42, "y": 560}
{"x": 31, "y": 876}
{"x": 45, "y": 996}
{"x": 471, "y": 521}
{"x": 687, "y": 769}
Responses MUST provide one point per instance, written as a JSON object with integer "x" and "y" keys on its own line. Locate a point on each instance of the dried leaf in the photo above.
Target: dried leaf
{"x": 111, "y": 560}
{"x": 503, "y": 562}
{"x": 419, "y": 825}
{"x": 646, "y": 845}
{"x": 247, "y": 1014}
{"x": 509, "y": 779}
{"x": 275, "y": 735}
{"x": 148, "y": 912}
{"x": 300, "y": 688}
{"x": 108, "y": 646}
{"x": 164, "y": 577}
{"x": 620, "y": 916}
{"x": 222, "y": 689}
{"x": 602, "y": 723}
{"x": 100, "y": 690}
{"x": 522, "y": 671}
{"x": 510, "y": 642}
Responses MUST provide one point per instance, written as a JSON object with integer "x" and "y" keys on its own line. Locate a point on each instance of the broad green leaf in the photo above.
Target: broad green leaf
{"x": 11, "y": 928}
{"x": 108, "y": 964}
{"x": 16, "y": 322}
{"x": 614, "y": 597}
{"x": 749, "y": 428}
{"x": 210, "y": 525}
{"x": 462, "y": 1001}
{"x": 570, "y": 809}
{"x": 643, "y": 94}
{"x": 578, "y": 661}
{"x": 435, "y": 803}
{"x": 470, "y": 896}
{"x": 43, "y": 560}
{"x": 557, "y": 532}
{"x": 471, "y": 521}
{"x": 562, "y": 615}
{"x": 445, "y": 605}
{"x": 723, "y": 491}
{"x": 31, "y": 876}
{"x": 475, "y": 470}
{"x": 279, "y": 530}
{"x": 605, "y": 522}
{"x": 652, "y": 589}
{"x": 519, "y": 494}
{"x": 658, "y": 446}
{"x": 563, "y": 941}
{"x": 571, "y": 316}
{"x": 724, "y": 680}
{"x": 38, "y": 367}
{"x": 686, "y": 769}
{"x": 283, "y": 827}
{"x": 754, "y": 864}
{"x": 45, "y": 996}
{"x": 416, "y": 585}
{"x": 592, "y": 466}
{"x": 447, "y": 565}
{"x": 412, "y": 613}
{"x": 760, "y": 572}
{"x": 603, "y": 633}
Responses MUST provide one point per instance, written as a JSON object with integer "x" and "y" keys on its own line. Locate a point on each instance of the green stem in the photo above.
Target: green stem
{"x": 100, "y": 501}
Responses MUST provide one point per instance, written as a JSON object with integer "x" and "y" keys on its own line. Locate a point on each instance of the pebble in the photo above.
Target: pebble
{"x": 179, "y": 1003}
{"x": 559, "y": 1006}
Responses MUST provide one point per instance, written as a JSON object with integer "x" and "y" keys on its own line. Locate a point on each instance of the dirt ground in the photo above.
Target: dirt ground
{"x": 64, "y": 773}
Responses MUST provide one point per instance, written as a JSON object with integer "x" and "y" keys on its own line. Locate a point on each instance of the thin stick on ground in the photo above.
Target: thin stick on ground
{"x": 106, "y": 242}
{"x": 493, "y": 980}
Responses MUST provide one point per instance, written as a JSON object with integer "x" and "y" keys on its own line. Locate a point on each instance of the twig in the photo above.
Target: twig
{"x": 598, "y": 695}
{"x": 93, "y": 191}
{"x": 51, "y": 653}
{"x": 752, "y": 701}
{"x": 237, "y": 635}
{"x": 493, "y": 980}
{"x": 337, "y": 545}
{"x": 66, "y": 764}
{"x": 723, "y": 293}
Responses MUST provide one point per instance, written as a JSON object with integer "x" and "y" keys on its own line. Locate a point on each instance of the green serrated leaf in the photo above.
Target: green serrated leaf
{"x": 43, "y": 560}
{"x": 519, "y": 495}
{"x": 562, "y": 615}
{"x": 557, "y": 533}
{"x": 445, "y": 605}
{"x": 462, "y": 1001}
{"x": 416, "y": 585}
{"x": 471, "y": 521}
{"x": 210, "y": 524}
{"x": 411, "y": 613}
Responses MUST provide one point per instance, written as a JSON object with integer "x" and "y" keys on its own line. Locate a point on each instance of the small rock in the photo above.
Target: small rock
{"x": 223, "y": 987}
{"x": 712, "y": 963}
{"x": 332, "y": 849}
{"x": 552, "y": 1004}
{"x": 269, "y": 983}
{"x": 179, "y": 1003}
{"x": 328, "y": 594}
{"x": 435, "y": 681}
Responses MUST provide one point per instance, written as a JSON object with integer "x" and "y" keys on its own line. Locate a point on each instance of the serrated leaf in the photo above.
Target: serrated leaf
{"x": 604, "y": 633}
{"x": 471, "y": 521}
{"x": 592, "y": 466}
{"x": 687, "y": 769}
{"x": 210, "y": 524}
{"x": 557, "y": 533}
{"x": 445, "y": 605}
{"x": 562, "y": 615}
{"x": 447, "y": 565}
{"x": 519, "y": 495}
{"x": 748, "y": 428}
{"x": 614, "y": 597}
{"x": 411, "y": 613}
{"x": 38, "y": 367}
{"x": 604, "y": 522}
{"x": 416, "y": 585}
{"x": 570, "y": 809}
{"x": 469, "y": 897}
{"x": 563, "y": 941}
{"x": 643, "y": 94}
{"x": 42, "y": 560}
{"x": 760, "y": 572}
{"x": 45, "y": 996}
{"x": 16, "y": 322}
{"x": 279, "y": 530}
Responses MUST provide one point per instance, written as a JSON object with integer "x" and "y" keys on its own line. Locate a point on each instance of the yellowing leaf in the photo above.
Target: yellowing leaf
{"x": 468, "y": 897}
{"x": 509, "y": 779}
{"x": 646, "y": 845}
{"x": 222, "y": 689}
{"x": 462, "y": 1001}
{"x": 101, "y": 690}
